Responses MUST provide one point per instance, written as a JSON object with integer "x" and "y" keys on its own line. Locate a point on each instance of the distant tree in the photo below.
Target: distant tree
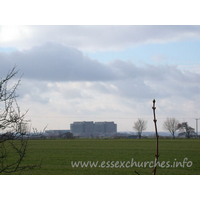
{"x": 68, "y": 135}
{"x": 139, "y": 126}
{"x": 171, "y": 125}
{"x": 186, "y": 130}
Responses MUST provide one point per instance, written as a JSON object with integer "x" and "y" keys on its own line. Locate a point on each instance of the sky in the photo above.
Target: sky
{"x": 104, "y": 73}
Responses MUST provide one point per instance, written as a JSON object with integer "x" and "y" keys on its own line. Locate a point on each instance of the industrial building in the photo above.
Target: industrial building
{"x": 105, "y": 128}
{"x": 82, "y": 129}
{"x": 91, "y": 129}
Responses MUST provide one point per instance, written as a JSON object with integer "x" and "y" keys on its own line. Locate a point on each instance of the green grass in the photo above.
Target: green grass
{"x": 56, "y": 155}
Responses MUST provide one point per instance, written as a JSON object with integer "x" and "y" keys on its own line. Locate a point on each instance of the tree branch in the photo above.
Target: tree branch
{"x": 156, "y": 156}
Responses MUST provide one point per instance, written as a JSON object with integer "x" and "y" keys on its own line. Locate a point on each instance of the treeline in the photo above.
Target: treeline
{"x": 170, "y": 124}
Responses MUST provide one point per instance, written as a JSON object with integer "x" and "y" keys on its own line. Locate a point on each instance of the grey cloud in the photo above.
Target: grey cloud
{"x": 156, "y": 81}
{"x": 52, "y": 62}
{"x": 136, "y": 89}
{"x": 55, "y": 62}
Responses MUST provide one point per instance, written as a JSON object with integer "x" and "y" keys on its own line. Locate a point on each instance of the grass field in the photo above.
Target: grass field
{"x": 57, "y": 155}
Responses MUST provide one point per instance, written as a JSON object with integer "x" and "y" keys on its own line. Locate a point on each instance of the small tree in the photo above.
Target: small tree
{"x": 140, "y": 126}
{"x": 171, "y": 125}
{"x": 13, "y": 127}
{"x": 186, "y": 130}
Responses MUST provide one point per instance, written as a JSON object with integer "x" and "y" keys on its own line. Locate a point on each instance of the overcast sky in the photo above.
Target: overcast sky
{"x": 104, "y": 73}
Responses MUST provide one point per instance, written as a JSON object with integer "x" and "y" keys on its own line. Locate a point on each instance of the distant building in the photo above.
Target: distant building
{"x": 105, "y": 128}
{"x": 91, "y": 129}
{"x": 82, "y": 129}
{"x": 55, "y": 132}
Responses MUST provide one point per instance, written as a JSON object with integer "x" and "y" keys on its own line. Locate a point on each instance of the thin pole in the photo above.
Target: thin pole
{"x": 156, "y": 156}
{"x": 197, "y": 126}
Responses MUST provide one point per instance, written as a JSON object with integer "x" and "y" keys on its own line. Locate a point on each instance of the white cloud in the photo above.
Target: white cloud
{"x": 94, "y": 38}
{"x": 191, "y": 68}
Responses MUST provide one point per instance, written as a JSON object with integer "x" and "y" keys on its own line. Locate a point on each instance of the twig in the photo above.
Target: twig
{"x": 156, "y": 156}
{"x": 136, "y": 172}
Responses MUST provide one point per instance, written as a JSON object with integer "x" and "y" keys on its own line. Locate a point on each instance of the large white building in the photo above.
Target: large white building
{"x": 91, "y": 129}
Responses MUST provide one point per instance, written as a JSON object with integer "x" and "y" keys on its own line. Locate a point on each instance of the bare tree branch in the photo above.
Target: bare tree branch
{"x": 13, "y": 127}
{"x": 155, "y": 123}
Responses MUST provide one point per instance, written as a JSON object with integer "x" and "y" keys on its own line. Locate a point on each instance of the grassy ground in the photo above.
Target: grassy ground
{"x": 57, "y": 155}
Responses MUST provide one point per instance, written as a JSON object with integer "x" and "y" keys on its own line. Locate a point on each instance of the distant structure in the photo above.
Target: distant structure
{"x": 91, "y": 129}
{"x": 82, "y": 129}
{"x": 55, "y": 133}
{"x": 105, "y": 128}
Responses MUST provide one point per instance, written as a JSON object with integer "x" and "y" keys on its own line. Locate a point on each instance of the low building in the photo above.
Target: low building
{"x": 55, "y": 132}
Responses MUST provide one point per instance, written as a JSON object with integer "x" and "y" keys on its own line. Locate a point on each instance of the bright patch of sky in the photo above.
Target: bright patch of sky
{"x": 7, "y": 50}
{"x": 173, "y": 53}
